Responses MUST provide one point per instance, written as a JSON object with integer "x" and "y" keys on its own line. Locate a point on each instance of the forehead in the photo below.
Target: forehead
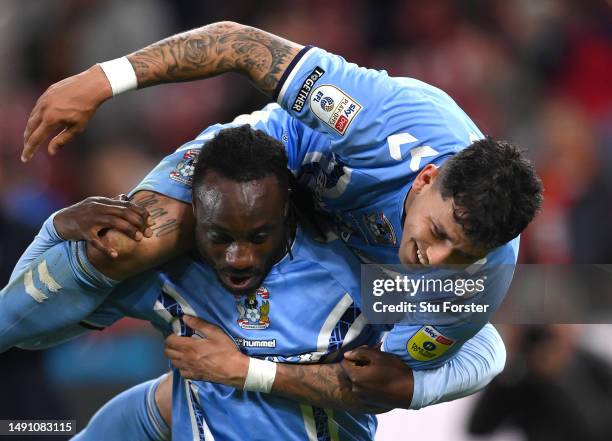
{"x": 219, "y": 200}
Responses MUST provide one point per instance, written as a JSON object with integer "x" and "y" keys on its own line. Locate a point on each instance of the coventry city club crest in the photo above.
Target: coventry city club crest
{"x": 183, "y": 172}
{"x": 254, "y": 309}
{"x": 380, "y": 228}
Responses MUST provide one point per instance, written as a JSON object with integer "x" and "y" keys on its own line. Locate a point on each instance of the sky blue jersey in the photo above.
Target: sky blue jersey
{"x": 306, "y": 311}
{"x": 357, "y": 138}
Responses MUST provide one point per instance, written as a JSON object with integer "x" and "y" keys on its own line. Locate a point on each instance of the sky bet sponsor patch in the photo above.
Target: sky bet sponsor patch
{"x": 428, "y": 344}
{"x": 334, "y": 107}
{"x": 307, "y": 86}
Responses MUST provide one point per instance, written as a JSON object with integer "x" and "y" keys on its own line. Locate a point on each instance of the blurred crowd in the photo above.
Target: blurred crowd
{"x": 534, "y": 72}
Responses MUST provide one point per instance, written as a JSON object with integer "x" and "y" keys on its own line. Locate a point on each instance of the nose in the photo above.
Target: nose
{"x": 439, "y": 253}
{"x": 239, "y": 256}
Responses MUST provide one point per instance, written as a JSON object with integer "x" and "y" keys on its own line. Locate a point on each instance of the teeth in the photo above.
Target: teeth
{"x": 421, "y": 258}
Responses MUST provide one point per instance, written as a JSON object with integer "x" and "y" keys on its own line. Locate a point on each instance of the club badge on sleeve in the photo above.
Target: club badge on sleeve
{"x": 428, "y": 344}
{"x": 380, "y": 228}
{"x": 183, "y": 172}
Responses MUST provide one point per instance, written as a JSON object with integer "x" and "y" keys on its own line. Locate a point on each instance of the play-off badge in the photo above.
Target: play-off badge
{"x": 428, "y": 344}
{"x": 334, "y": 107}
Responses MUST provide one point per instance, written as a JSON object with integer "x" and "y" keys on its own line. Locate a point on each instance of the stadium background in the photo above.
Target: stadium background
{"x": 536, "y": 72}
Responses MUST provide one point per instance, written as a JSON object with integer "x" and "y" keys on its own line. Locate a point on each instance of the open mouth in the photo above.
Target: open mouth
{"x": 241, "y": 282}
{"x": 418, "y": 256}
{"x": 421, "y": 257}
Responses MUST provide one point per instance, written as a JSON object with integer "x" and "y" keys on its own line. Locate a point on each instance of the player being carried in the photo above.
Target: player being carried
{"x": 400, "y": 169}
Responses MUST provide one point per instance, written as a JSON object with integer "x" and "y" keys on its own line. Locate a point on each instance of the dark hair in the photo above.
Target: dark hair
{"x": 495, "y": 190}
{"x": 242, "y": 154}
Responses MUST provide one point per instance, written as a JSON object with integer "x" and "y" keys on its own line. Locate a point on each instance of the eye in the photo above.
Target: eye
{"x": 437, "y": 233}
{"x": 259, "y": 238}
{"x": 217, "y": 237}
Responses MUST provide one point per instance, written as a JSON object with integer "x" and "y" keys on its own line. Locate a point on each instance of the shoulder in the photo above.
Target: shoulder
{"x": 334, "y": 259}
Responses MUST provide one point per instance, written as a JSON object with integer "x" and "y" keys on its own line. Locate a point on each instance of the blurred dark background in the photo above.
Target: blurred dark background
{"x": 535, "y": 72}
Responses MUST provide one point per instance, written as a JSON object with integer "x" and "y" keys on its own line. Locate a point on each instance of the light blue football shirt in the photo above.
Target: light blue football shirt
{"x": 357, "y": 138}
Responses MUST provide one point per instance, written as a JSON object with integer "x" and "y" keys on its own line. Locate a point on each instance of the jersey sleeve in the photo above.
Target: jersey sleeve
{"x": 103, "y": 316}
{"x": 58, "y": 288}
{"x": 370, "y": 118}
{"x": 480, "y": 360}
{"x": 133, "y": 297}
{"x": 427, "y": 346}
{"x": 45, "y": 239}
{"x": 173, "y": 176}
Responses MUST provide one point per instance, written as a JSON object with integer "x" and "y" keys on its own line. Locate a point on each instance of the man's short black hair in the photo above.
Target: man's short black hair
{"x": 242, "y": 154}
{"x": 495, "y": 190}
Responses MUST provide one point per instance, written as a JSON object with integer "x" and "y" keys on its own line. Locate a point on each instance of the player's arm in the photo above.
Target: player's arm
{"x": 216, "y": 358}
{"x": 54, "y": 285}
{"x": 67, "y": 106}
{"x": 212, "y": 50}
{"x": 479, "y": 359}
{"x": 368, "y": 381}
{"x": 327, "y": 385}
{"x": 60, "y": 283}
{"x": 171, "y": 235}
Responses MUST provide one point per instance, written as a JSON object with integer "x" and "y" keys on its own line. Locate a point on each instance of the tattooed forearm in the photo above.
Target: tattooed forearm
{"x": 323, "y": 385}
{"x": 173, "y": 235}
{"x": 214, "y": 49}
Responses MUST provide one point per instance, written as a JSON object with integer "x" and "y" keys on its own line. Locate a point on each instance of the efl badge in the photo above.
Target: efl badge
{"x": 428, "y": 344}
{"x": 334, "y": 107}
{"x": 183, "y": 172}
{"x": 254, "y": 309}
{"x": 380, "y": 228}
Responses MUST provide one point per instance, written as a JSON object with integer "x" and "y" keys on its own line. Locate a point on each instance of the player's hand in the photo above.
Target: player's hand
{"x": 379, "y": 378}
{"x": 64, "y": 110}
{"x": 214, "y": 357}
{"x": 90, "y": 218}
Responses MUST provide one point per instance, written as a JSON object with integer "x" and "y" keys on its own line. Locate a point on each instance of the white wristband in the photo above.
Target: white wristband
{"x": 120, "y": 75}
{"x": 260, "y": 376}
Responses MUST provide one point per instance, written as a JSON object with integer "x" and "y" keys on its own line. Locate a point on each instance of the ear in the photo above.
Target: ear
{"x": 425, "y": 178}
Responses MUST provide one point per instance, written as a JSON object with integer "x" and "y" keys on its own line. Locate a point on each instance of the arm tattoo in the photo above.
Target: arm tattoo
{"x": 166, "y": 228}
{"x": 151, "y": 203}
{"x": 323, "y": 385}
{"x": 214, "y": 49}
